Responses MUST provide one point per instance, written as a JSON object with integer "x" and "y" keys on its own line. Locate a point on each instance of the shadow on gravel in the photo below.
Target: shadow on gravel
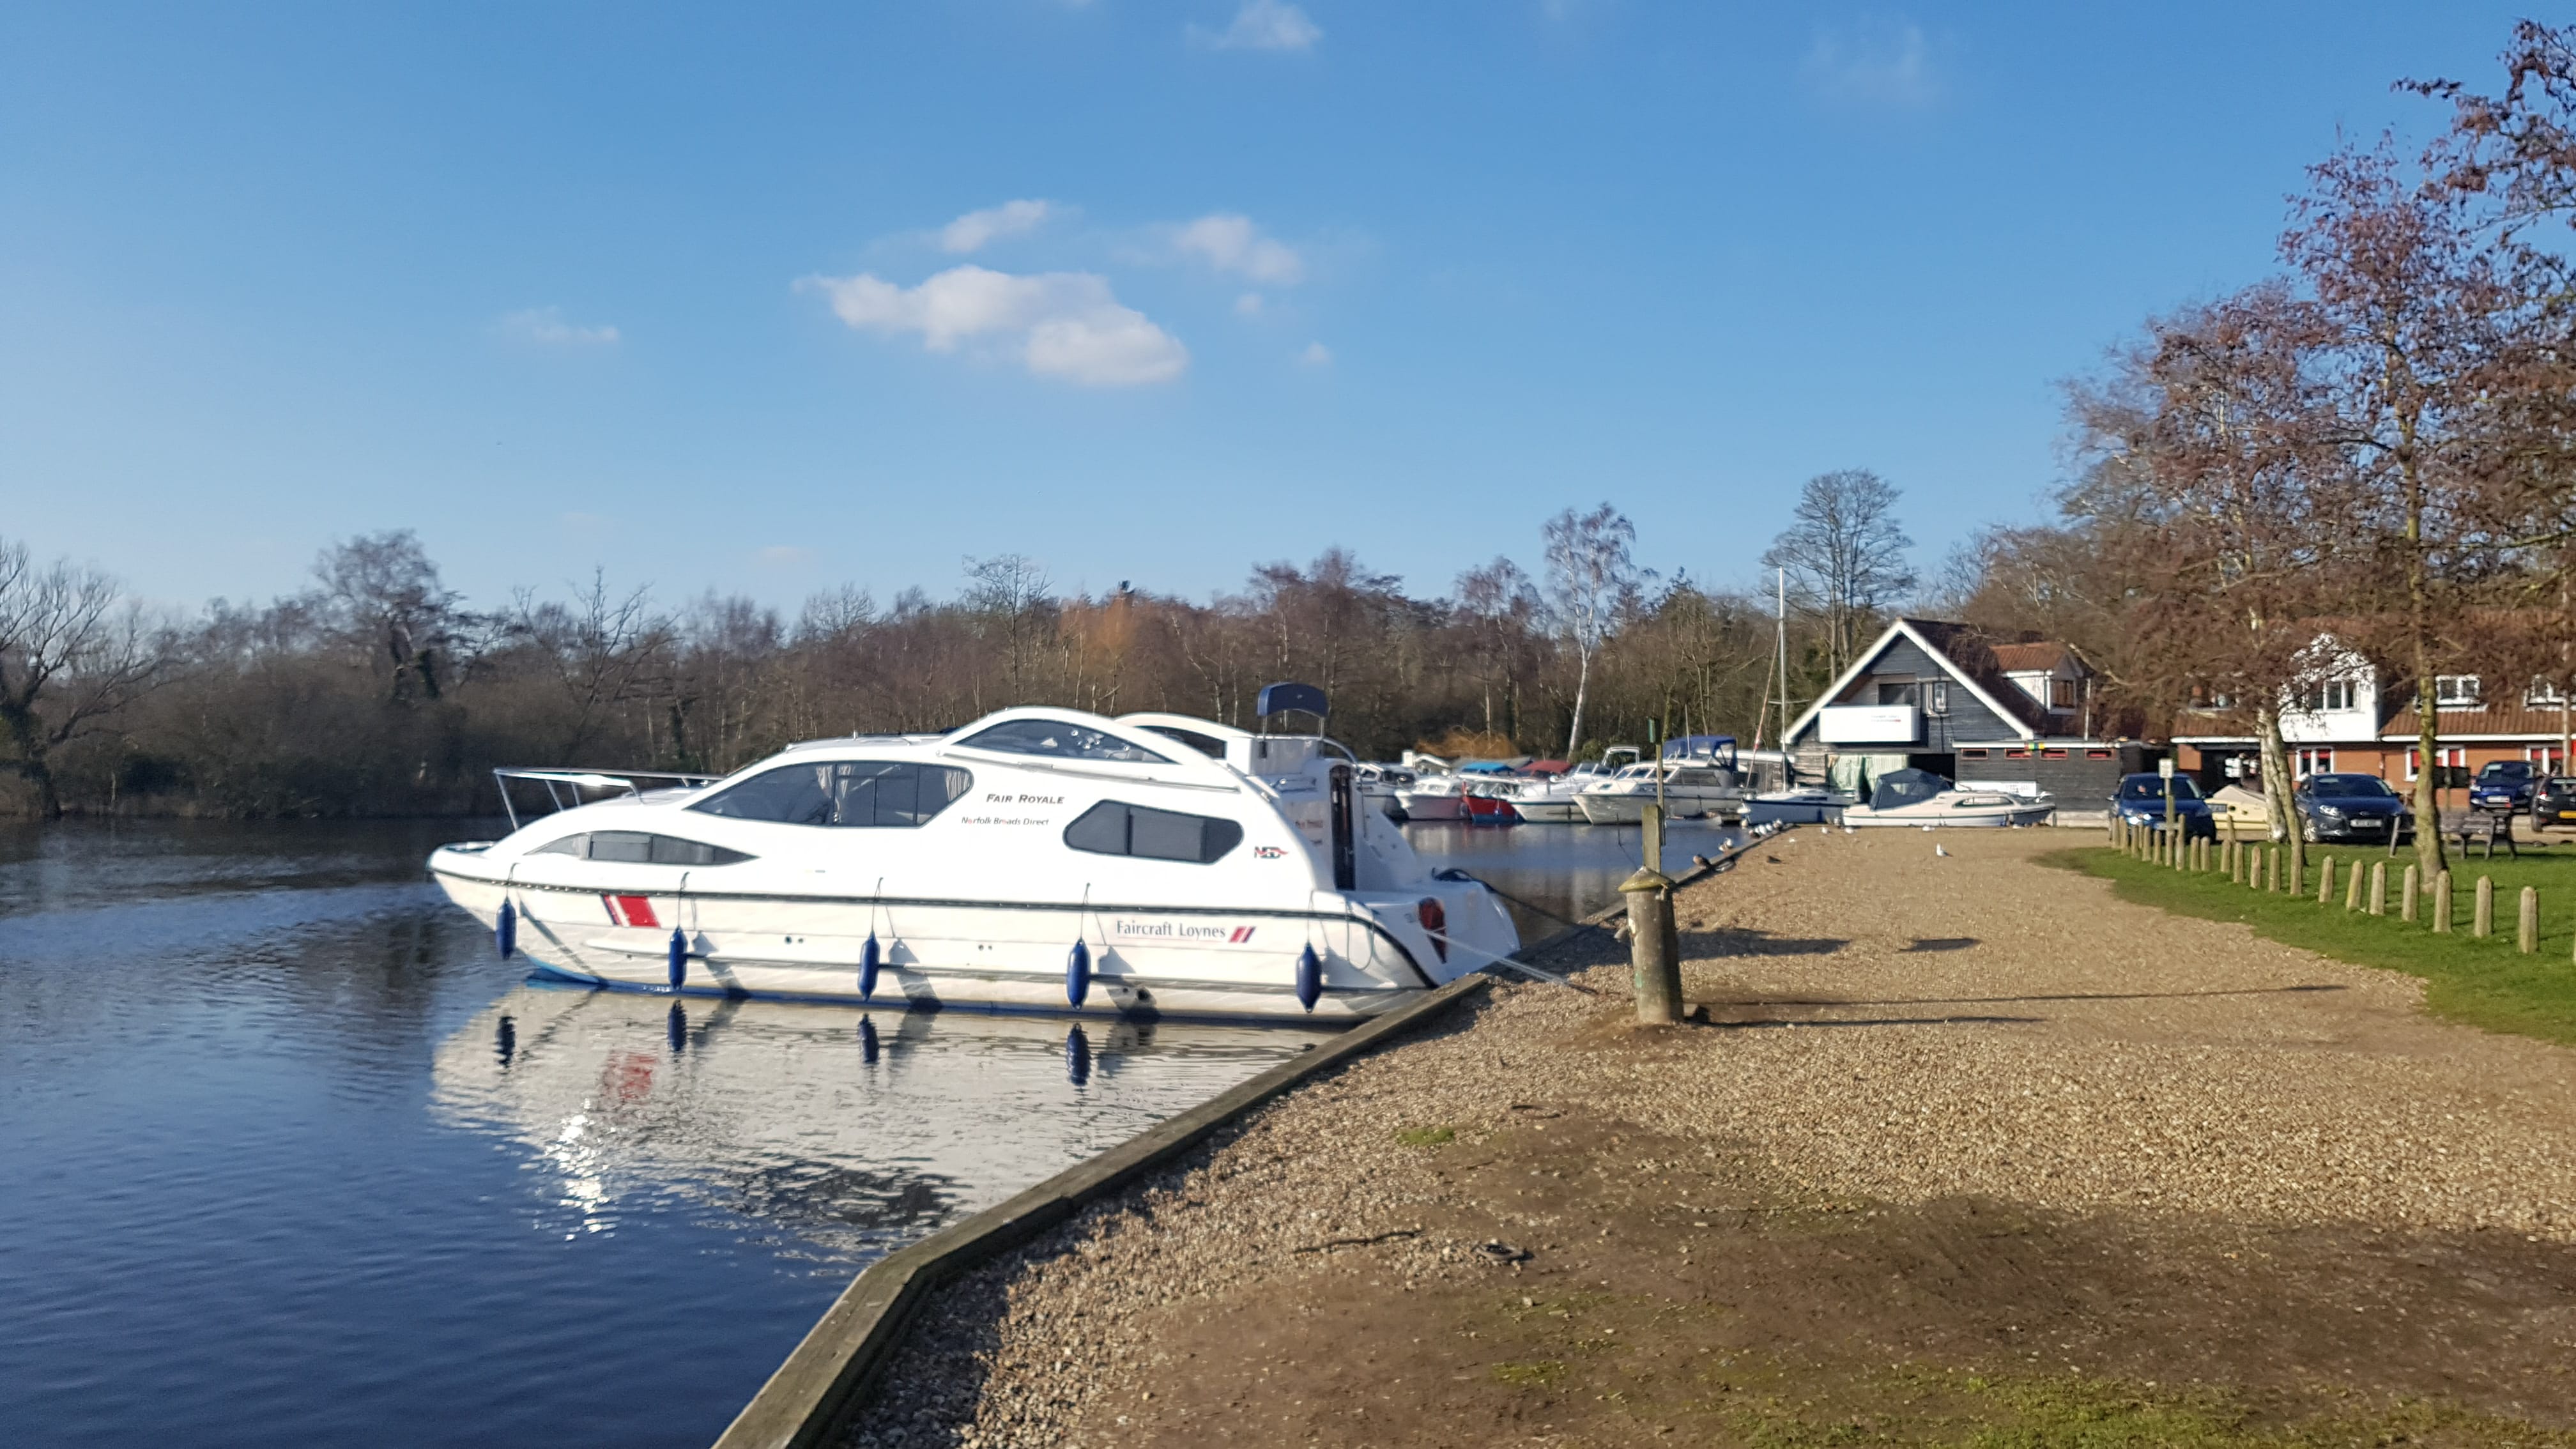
{"x": 1871, "y": 1021}
{"x": 2010, "y": 1000}
{"x": 1940, "y": 943}
{"x": 1700, "y": 945}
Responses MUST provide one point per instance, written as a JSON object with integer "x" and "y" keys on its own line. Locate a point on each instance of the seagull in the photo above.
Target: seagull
{"x": 1936, "y": 847}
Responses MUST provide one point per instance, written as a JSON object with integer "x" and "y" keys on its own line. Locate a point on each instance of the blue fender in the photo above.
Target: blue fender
{"x": 505, "y": 931}
{"x": 870, "y": 958}
{"x": 1310, "y": 978}
{"x": 1077, "y": 973}
{"x": 679, "y": 959}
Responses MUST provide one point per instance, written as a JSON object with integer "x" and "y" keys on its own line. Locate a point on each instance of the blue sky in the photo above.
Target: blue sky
{"x": 765, "y": 299}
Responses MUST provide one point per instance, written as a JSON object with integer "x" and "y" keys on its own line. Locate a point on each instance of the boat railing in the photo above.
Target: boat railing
{"x": 567, "y": 788}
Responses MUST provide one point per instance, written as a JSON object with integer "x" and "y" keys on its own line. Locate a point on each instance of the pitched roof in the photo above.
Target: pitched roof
{"x": 2039, "y": 655}
{"x": 1966, "y": 653}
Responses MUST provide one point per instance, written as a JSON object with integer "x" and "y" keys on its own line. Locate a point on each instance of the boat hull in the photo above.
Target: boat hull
{"x": 1145, "y": 961}
{"x": 1549, "y": 812}
{"x": 1626, "y": 809}
{"x": 1862, "y": 817}
{"x": 1793, "y": 810}
{"x": 1433, "y": 807}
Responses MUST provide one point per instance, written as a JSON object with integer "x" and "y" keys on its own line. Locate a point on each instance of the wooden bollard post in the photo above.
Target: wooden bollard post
{"x": 2482, "y": 915}
{"x": 2325, "y": 881}
{"x": 2272, "y": 872}
{"x": 2442, "y": 901}
{"x": 2298, "y": 864}
{"x": 2408, "y": 909}
{"x": 2379, "y": 887}
{"x": 2527, "y": 934}
{"x": 1654, "y": 960}
{"x": 2235, "y": 863}
{"x": 2352, "y": 889}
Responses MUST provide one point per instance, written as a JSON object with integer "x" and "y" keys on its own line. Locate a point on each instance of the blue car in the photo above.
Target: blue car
{"x": 2351, "y": 807}
{"x": 2141, "y": 801}
{"x": 2504, "y": 786}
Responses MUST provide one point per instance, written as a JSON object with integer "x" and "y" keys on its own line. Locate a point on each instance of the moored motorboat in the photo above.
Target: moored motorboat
{"x": 1698, "y": 780}
{"x": 1923, "y": 799}
{"x": 1807, "y": 805}
{"x": 1037, "y": 859}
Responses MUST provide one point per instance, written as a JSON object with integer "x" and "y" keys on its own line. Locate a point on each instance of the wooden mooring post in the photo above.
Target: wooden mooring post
{"x": 2482, "y": 915}
{"x": 2527, "y": 926}
{"x": 1654, "y": 941}
{"x": 2325, "y": 881}
{"x": 2442, "y": 901}
{"x": 2409, "y": 908}
{"x": 2352, "y": 889}
{"x": 2379, "y": 887}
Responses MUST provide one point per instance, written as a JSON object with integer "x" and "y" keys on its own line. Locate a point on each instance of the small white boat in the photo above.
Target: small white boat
{"x": 1699, "y": 781}
{"x": 1807, "y": 805}
{"x": 1922, "y": 799}
{"x": 1545, "y": 800}
{"x": 1037, "y": 859}
{"x": 1433, "y": 797}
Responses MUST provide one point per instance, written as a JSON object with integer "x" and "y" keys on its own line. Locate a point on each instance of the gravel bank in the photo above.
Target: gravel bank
{"x": 1887, "y": 1027}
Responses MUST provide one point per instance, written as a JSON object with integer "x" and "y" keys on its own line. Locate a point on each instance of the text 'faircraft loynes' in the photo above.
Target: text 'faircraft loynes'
{"x": 1037, "y": 859}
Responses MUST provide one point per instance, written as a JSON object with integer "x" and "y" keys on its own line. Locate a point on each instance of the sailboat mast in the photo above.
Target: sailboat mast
{"x": 1781, "y": 582}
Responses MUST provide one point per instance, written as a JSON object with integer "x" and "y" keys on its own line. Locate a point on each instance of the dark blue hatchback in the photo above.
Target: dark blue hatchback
{"x": 2141, "y": 801}
{"x": 2352, "y": 807}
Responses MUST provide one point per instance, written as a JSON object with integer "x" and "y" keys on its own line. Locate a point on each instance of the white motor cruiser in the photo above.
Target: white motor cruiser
{"x": 1037, "y": 859}
{"x": 1546, "y": 801}
{"x": 1699, "y": 780}
{"x": 1433, "y": 797}
{"x": 1922, "y": 799}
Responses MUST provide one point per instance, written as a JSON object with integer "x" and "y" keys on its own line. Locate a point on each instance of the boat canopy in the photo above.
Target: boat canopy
{"x": 1905, "y": 787}
{"x": 1689, "y": 747}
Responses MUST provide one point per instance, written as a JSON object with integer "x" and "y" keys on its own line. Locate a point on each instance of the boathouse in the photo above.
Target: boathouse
{"x": 1934, "y": 695}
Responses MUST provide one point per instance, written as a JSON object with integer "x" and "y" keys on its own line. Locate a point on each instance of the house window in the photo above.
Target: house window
{"x": 1972, "y": 754}
{"x": 2097, "y": 754}
{"x": 2455, "y": 691}
{"x": 2543, "y": 692}
{"x": 1940, "y": 696}
{"x": 2061, "y": 694}
{"x": 2548, "y": 759}
{"x": 2333, "y": 694}
{"x": 2222, "y": 700}
{"x": 2053, "y": 754}
{"x": 1897, "y": 692}
{"x": 2016, "y": 754}
{"x": 2316, "y": 762}
{"x": 2449, "y": 757}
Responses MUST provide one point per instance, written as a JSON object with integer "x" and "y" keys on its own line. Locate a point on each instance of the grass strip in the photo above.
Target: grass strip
{"x": 2485, "y": 983}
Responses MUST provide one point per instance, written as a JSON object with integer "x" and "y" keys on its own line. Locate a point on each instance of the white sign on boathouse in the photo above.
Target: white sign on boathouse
{"x": 1868, "y": 724}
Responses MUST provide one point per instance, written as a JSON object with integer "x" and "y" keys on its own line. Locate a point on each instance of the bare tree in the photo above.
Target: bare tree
{"x": 382, "y": 593}
{"x": 71, "y": 655}
{"x": 1013, "y": 594}
{"x": 1591, "y": 573}
{"x": 1845, "y": 556}
{"x": 2412, "y": 302}
{"x": 1496, "y": 603}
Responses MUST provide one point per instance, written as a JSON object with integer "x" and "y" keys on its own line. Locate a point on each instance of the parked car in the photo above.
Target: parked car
{"x": 2351, "y": 807}
{"x": 2504, "y": 786}
{"x": 2553, "y": 802}
{"x": 2141, "y": 801}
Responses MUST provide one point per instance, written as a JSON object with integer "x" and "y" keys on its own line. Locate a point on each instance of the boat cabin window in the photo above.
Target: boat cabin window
{"x": 1208, "y": 745}
{"x": 1061, "y": 740}
{"x": 640, "y": 848}
{"x": 861, "y": 793}
{"x": 1113, "y": 828}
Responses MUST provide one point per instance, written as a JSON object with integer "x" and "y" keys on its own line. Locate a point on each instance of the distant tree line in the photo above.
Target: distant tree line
{"x": 378, "y": 690}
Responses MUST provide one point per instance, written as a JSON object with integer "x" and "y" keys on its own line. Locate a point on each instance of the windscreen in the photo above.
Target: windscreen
{"x": 2349, "y": 786}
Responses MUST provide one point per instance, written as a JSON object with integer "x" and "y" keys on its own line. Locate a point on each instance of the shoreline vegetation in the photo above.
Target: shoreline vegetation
{"x": 2487, "y": 983}
{"x": 377, "y": 690}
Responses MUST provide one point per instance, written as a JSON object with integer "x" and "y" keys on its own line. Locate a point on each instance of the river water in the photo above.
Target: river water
{"x": 291, "y": 1157}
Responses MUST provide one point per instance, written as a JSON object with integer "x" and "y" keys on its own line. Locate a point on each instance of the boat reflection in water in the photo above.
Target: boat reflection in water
{"x": 854, "y": 1131}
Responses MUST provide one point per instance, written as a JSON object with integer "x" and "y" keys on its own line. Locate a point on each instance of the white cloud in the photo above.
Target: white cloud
{"x": 1316, "y": 355}
{"x": 1248, "y": 305}
{"x": 1231, "y": 243}
{"x": 1058, "y": 324}
{"x": 973, "y": 230}
{"x": 1882, "y": 62}
{"x": 546, "y": 327}
{"x": 1263, "y": 25}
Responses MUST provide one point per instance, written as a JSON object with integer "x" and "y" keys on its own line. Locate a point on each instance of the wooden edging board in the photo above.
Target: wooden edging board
{"x": 805, "y": 1402}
